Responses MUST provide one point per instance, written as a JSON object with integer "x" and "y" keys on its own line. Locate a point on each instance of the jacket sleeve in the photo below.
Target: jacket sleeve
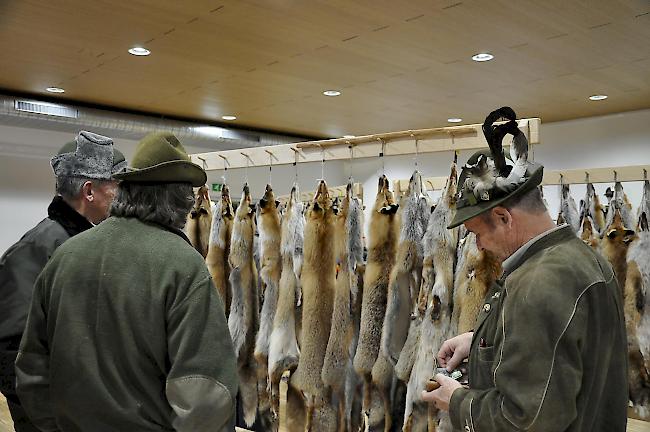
{"x": 33, "y": 365}
{"x": 202, "y": 382}
{"x": 537, "y": 375}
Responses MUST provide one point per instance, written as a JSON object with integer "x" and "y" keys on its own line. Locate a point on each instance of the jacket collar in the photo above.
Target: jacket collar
{"x": 543, "y": 241}
{"x": 61, "y": 212}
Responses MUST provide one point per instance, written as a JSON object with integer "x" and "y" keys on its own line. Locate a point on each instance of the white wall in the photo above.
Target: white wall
{"x": 26, "y": 184}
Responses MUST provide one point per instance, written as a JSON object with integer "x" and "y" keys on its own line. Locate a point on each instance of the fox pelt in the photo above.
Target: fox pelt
{"x": 619, "y": 201}
{"x": 268, "y": 219}
{"x": 217, "y": 259}
{"x": 440, "y": 246}
{"x": 337, "y": 367}
{"x": 199, "y": 221}
{"x": 475, "y": 274}
{"x": 594, "y": 209}
{"x": 614, "y": 246}
{"x": 243, "y": 320}
{"x": 568, "y": 208}
{"x": 637, "y": 317}
{"x": 318, "y": 281}
{"x": 283, "y": 346}
{"x": 404, "y": 282}
{"x": 381, "y": 257}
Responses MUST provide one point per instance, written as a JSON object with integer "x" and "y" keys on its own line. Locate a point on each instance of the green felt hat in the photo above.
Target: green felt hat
{"x": 161, "y": 158}
{"x": 469, "y": 206}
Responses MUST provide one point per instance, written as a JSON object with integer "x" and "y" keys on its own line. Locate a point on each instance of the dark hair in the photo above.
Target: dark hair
{"x": 70, "y": 186}
{"x": 166, "y": 204}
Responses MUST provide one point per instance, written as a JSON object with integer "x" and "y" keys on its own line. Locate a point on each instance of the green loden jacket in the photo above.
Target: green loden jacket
{"x": 549, "y": 352}
{"x": 126, "y": 332}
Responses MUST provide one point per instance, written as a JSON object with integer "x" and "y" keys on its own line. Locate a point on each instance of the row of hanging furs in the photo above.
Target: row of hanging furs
{"x": 623, "y": 237}
{"x": 360, "y": 337}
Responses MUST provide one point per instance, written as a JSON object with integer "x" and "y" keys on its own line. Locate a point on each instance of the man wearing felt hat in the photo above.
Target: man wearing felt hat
{"x": 549, "y": 350}
{"x": 85, "y": 187}
{"x": 126, "y": 330}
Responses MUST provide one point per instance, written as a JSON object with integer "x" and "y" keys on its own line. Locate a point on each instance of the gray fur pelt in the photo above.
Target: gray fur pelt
{"x": 408, "y": 261}
{"x": 440, "y": 246}
{"x": 569, "y": 209}
{"x": 354, "y": 228}
{"x": 620, "y": 202}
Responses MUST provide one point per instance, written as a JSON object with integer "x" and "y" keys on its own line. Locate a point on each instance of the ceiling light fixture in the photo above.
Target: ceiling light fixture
{"x": 139, "y": 51}
{"x": 331, "y": 93}
{"x": 597, "y": 97}
{"x": 55, "y": 90}
{"x": 482, "y": 57}
{"x": 454, "y": 120}
{"x": 349, "y": 136}
{"x": 229, "y": 117}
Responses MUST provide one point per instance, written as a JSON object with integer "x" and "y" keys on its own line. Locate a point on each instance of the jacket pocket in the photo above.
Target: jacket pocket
{"x": 486, "y": 354}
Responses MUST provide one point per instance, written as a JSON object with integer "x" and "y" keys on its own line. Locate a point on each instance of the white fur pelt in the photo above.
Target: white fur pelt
{"x": 403, "y": 287}
{"x": 283, "y": 347}
{"x": 243, "y": 320}
{"x": 569, "y": 209}
{"x": 440, "y": 246}
{"x": 354, "y": 229}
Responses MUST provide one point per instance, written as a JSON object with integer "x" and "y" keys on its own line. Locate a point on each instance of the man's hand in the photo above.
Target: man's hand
{"x": 442, "y": 396}
{"x": 454, "y": 351}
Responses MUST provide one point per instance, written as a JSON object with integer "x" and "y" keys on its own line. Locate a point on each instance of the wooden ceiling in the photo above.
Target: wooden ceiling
{"x": 399, "y": 64}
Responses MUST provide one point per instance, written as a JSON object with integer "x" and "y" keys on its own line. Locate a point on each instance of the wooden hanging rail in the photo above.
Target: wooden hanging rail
{"x": 571, "y": 176}
{"x": 335, "y": 191}
{"x": 468, "y": 137}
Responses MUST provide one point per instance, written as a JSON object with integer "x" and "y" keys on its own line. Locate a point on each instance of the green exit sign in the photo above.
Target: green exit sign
{"x": 216, "y": 187}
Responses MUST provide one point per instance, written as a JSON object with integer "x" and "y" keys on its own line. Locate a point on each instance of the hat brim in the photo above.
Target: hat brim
{"x": 466, "y": 213}
{"x": 177, "y": 171}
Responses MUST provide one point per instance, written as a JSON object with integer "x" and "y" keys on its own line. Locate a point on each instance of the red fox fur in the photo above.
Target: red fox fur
{"x": 217, "y": 259}
{"x": 199, "y": 221}
{"x": 318, "y": 280}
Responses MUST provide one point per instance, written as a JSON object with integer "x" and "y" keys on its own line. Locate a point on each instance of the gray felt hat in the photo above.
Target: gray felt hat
{"x": 91, "y": 156}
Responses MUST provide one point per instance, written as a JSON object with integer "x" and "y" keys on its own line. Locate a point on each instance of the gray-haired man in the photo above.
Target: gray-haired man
{"x": 84, "y": 191}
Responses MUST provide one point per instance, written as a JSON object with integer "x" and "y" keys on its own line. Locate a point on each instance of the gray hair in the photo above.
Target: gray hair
{"x": 530, "y": 202}
{"x": 69, "y": 187}
{"x": 167, "y": 204}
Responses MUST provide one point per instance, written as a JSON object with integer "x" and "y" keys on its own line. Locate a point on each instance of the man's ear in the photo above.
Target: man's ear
{"x": 87, "y": 191}
{"x": 502, "y": 215}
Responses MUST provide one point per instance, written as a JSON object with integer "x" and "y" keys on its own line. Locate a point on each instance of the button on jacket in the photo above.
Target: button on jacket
{"x": 553, "y": 355}
{"x": 126, "y": 332}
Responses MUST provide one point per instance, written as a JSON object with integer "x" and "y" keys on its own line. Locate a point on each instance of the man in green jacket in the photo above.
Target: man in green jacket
{"x": 84, "y": 191}
{"x": 126, "y": 330}
{"x": 549, "y": 350}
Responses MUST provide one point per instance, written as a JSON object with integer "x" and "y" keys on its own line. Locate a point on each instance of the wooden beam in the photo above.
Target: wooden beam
{"x": 569, "y": 176}
{"x": 469, "y": 137}
{"x": 335, "y": 191}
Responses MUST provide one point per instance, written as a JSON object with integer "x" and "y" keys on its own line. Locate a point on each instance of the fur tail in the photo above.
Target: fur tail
{"x": 248, "y": 393}
{"x": 398, "y": 309}
{"x": 236, "y": 317}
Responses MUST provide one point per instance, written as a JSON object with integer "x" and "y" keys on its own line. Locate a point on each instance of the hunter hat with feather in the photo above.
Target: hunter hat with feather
{"x": 488, "y": 179}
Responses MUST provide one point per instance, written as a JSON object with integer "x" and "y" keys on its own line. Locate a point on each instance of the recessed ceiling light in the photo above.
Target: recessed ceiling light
{"x": 349, "y": 136}
{"x": 482, "y": 57}
{"x": 229, "y": 117}
{"x": 139, "y": 51}
{"x": 331, "y": 93}
{"x": 55, "y": 90}
{"x": 597, "y": 97}
{"x": 454, "y": 120}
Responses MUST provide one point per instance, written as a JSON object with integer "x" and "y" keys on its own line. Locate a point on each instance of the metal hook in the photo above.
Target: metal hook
{"x": 296, "y": 154}
{"x": 381, "y": 155}
{"x": 645, "y": 174}
{"x": 248, "y": 160}
{"x": 203, "y": 162}
{"x": 351, "y": 148}
{"x": 322, "y": 162}
{"x": 417, "y": 149}
{"x": 226, "y": 165}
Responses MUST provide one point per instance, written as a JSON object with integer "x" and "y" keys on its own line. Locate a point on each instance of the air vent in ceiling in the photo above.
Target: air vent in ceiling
{"x": 46, "y": 109}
